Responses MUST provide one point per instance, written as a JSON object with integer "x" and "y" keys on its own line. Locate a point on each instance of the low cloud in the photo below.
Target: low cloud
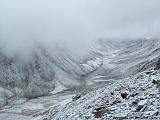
{"x": 74, "y": 24}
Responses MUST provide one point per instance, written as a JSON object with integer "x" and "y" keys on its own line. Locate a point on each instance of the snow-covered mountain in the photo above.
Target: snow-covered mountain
{"x": 50, "y": 71}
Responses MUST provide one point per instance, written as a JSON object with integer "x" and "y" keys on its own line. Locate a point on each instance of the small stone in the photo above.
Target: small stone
{"x": 148, "y": 72}
{"x": 88, "y": 107}
{"x": 124, "y": 95}
{"x": 100, "y": 111}
{"x": 112, "y": 93}
{"x": 154, "y": 81}
{"x": 76, "y": 97}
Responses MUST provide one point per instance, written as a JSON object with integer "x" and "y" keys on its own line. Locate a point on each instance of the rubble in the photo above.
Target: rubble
{"x": 130, "y": 98}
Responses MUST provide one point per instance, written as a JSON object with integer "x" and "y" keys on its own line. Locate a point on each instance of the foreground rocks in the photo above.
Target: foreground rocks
{"x": 136, "y": 97}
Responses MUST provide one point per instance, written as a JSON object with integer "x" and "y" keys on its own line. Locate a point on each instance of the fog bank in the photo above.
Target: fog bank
{"x": 74, "y": 24}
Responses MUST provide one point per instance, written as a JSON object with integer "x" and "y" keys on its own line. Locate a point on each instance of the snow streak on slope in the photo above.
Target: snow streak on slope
{"x": 125, "y": 58}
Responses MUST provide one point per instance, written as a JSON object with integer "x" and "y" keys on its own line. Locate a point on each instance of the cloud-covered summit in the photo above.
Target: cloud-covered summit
{"x": 74, "y": 24}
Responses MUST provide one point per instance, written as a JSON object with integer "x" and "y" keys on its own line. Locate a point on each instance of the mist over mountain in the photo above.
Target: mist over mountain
{"x": 73, "y": 24}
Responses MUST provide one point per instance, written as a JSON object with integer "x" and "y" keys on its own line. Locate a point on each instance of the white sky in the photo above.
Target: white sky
{"x": 74, "y": 24}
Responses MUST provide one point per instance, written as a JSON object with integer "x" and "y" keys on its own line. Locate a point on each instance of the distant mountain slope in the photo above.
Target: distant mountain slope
{"x": 124, "y": 58}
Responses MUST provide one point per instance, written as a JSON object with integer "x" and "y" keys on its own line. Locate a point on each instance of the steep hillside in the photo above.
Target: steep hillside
{"x": 136, "y": 97}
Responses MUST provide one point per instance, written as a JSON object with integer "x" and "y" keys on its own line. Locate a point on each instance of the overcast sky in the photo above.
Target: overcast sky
{"x": 74, "y": 24}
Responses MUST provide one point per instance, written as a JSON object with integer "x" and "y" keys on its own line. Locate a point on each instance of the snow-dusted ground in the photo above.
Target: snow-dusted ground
{"x": 142, "y": 101}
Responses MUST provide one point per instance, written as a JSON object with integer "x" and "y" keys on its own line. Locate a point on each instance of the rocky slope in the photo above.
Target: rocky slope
{"x": 136, "y": 97}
